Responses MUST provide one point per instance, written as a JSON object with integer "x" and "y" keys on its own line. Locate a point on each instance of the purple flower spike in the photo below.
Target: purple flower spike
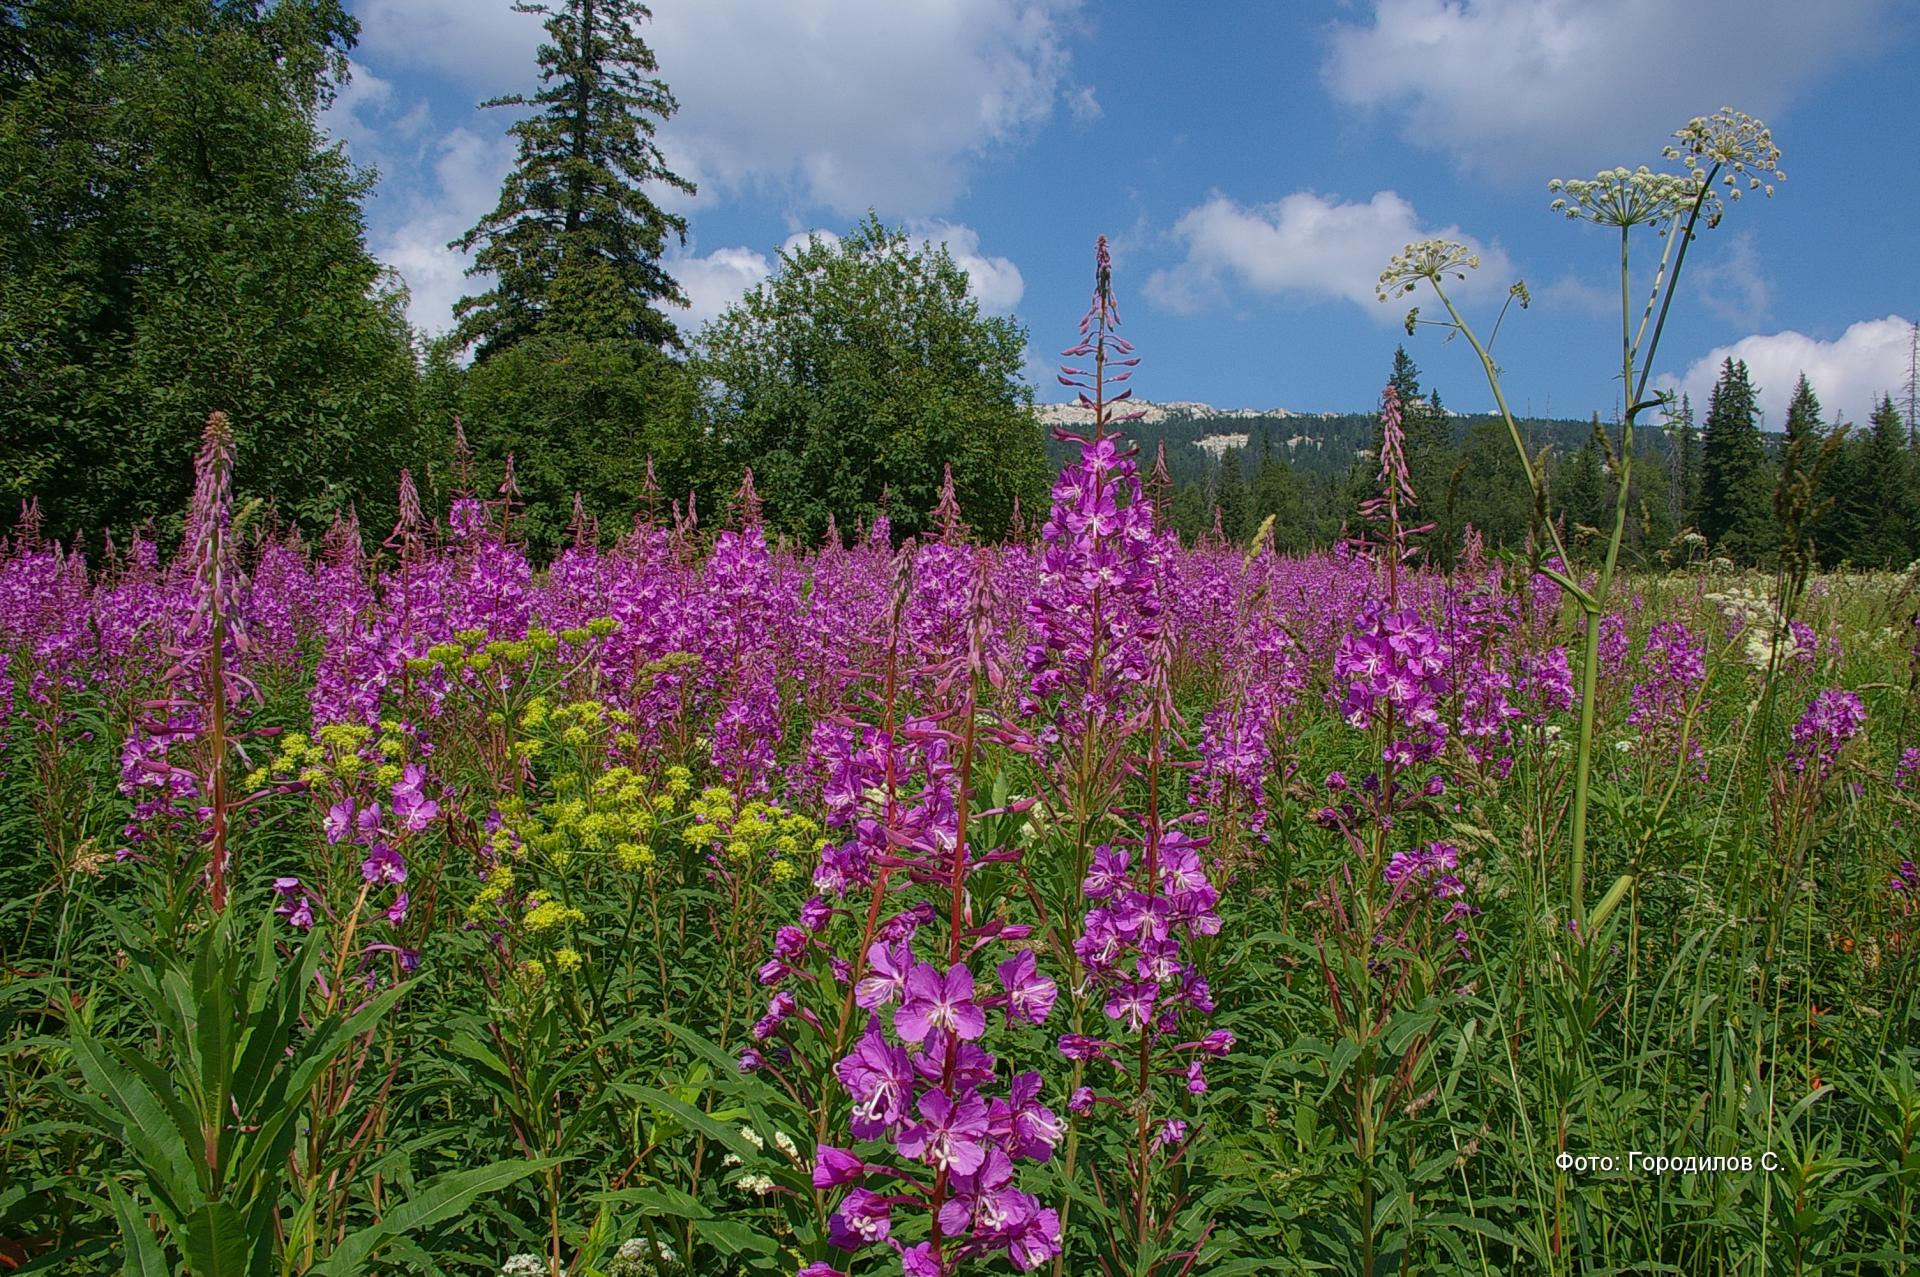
{"x": 1132, "y": 1001}
{"x": 411, "y": 806}
{"x": 864, "y": 1218}
{"x": 1027, "y": 1127}
{"x": 886, "y": 978}
{"x": 879, "y": 1078}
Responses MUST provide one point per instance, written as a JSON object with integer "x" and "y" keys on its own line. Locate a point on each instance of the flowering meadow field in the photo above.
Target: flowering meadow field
{"x": 700, "y": 903}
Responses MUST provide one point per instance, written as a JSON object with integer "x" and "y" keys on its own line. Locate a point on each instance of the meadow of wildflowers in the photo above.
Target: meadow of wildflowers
{"x": 700, "y": 904}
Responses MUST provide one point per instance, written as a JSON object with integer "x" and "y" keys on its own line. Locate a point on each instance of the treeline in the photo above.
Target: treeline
{"x": 1833, "y": 491}
{"x": 179, "y": 235}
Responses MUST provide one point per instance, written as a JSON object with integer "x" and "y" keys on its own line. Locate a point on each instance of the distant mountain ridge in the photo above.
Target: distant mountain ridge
{"x": 1073, "y": 414}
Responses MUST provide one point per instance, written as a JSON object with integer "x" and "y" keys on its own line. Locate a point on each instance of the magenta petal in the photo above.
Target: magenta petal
{"x": 969, "y": 1021}
{"x": 910, "y": 1022}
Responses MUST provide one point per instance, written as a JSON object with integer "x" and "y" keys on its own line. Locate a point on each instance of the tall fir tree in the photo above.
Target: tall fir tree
{"x": 1584, "y": 492}
{"x": 1736, "y": 505}
{"x": 1231, "y": 498}
{"x": 1684, "y": 465}
{"x": 574, "y": 244}
{"x": 1277, "y": 495}
{"x": 1803, "y": 413}
{"x": 1889, "y": 490}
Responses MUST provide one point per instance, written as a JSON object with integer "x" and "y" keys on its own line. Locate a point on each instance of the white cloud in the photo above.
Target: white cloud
{"x": 1732, "y": 284}
{"x": 844, "y": 103}
{"x": 716, "y": 280}
{"x": 1849, "y": 374}
{"x": 1570, "y": 292}
{"x": 466, "y": 170}
{"x": 800, "y": 239}
{"x": 1305, "y": 245}
{"x": 1083, "y": 105}
{"x": 485, "y": 48}
{"x": 994, "y": 282}
{"x": 1533, "y": 89}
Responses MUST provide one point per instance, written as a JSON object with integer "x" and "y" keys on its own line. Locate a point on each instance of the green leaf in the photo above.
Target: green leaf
{"x": 732, "y": 1239}
{"x": 216, "y": 1241}
{"x": 440, "y": 1198}
{"x": 694, "y": 1118}
{"x": 143, "y": 1256}
{"x": 131, "y": 1114}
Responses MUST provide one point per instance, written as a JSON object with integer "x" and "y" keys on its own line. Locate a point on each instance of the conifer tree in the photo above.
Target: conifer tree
{"x": 1276, "y": 494}
{"x": 1736, "y": 509}
{"x": 1230, "y": 495}
{"x": 1888, "y": 489}
{"x": 574, "y": 245}
{"x": 1803, "y": 413}
{"x": 1684, "y": 497}
{"x": 1582, "y": 490}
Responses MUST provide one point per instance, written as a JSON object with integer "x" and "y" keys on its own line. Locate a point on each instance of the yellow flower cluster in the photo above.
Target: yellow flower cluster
{"x": 751, "y": 833}
{"x": 472, "y": 650}
{"x": 549, "y": 914}
{"x": 335, "y": 750}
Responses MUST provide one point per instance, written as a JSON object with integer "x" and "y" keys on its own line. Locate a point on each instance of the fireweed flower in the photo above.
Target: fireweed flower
{"x": 1674, "y": 664}
{"x": 1832, "y": 719}
{"x": 921, "y": 1084}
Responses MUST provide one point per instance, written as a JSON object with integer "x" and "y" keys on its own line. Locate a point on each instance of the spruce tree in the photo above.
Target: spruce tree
{"x": 1582, "y": 489}
{"x": 1684, "y": 490}
{"x": 1276, "y": 494}
{"x": 574, "y": 245}
{"x": 1803, "y": 414}
{"x": 1736, "y": 508}
{"x": 1888, "y": 489}
{"x": 1230, "y": 495}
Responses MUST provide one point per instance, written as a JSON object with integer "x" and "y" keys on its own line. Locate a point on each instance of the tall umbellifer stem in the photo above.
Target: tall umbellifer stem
{"x": 1622, "y": 200}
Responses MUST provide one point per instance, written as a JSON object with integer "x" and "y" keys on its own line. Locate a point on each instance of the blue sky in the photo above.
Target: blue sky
{"x": 1254, "y": 165}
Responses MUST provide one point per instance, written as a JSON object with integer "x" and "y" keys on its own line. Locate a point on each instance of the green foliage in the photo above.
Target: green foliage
{"x": 1277, "y": 495}
{"x": 1684, "y": 469}
{"x": 1736, "y": 512}
{"x": 1582, "y": 489}
{"x": 206, "y": 1122}
{"x": 178, "y": 240}
{"x": 574, "y": 244}
{"x": 1232, "y": 499}
{"x": 861, "y": 368}
{"x": 588, "y": 417}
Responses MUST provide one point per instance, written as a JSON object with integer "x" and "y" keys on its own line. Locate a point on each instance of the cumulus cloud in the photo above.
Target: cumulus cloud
{"x": 994, "y": 282}
{"x": 715, "y": 280}
{"x": 1304, "y": 245}
{"x": 1850, "y": 373}
{"x": 466, "y": 170}
{"x": 1530, "y": 89}
{"x": 844, "y": 104}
